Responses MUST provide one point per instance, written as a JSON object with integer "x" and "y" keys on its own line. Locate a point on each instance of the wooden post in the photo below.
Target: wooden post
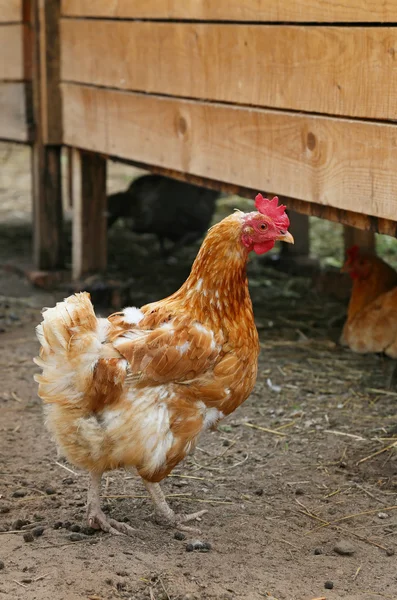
{"x": 300, "y": 230}
{"x": 46, "y": 150}
{"x": 365, "y": 240}
{"x": 89, "y": 250}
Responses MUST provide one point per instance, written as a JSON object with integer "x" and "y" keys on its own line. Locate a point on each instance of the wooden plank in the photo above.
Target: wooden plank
{"x": 237, "y": 10}
{"x": 345, "y": 164}
{"x": 49, "y": 43}
{"x": 46, "y": 172}
{"x": 10, "y": 11}
{"x": 270, "y": 66}
{"x": 345, "y": 217}
{"x": 11, "y": 56}
{"x": 15, "y": 119}
{"x": 89, "y": 250}
{"x": 356, "y": 237}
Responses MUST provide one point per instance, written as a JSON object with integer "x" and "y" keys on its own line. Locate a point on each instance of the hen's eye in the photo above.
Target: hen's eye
{"x": 263, "y": 226}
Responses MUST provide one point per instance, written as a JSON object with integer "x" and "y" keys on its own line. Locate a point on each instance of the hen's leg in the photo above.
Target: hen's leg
{"x": 96, "y": 517}
{"x": 164, "y": 513}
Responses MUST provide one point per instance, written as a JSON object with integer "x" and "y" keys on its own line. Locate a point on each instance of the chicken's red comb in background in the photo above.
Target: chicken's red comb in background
{"x": 353, "y": 253}
{"x": 274, "y": 210}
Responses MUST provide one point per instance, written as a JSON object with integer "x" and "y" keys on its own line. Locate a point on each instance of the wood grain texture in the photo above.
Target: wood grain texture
{"x": 356, "y": 237}
{"x": 346, "y": 164}
{"x": 238, "y": 10}
{"x": 331, "y": 70}
{"x": 46, "y": 165}
{"x": 49, "y": 56}
{"x": 338, "y": 215}
{"x": 89, "y": 249}
{"x": 11, "y": 55}
{"x": 10, "y": 11}
{"x": 15, "y": 119}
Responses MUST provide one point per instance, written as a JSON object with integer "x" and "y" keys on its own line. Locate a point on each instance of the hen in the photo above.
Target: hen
{"x": 371, "y": 324}
{"x": 172, "y": 210}
{"x": 136, "y": 390}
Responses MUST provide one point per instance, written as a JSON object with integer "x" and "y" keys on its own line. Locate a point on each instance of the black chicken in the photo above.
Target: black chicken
{"x": 174, "y": 210}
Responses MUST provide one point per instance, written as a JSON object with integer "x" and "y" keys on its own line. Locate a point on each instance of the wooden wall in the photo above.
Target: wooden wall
{"x": 15, "y": 72}
{"x": 293, "y": 98}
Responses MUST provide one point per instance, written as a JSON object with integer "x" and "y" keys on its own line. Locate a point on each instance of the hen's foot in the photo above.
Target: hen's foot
{"x": 97, "y": 519}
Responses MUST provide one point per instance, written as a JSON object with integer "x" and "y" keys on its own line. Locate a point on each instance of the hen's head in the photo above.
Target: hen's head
{"x": 262, "y": 229}
{"x": 358, "y": 266}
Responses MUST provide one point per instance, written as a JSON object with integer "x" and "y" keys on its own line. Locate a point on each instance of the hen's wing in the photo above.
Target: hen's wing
{"x": 176, "y": 351}
{"x": 374, "y": 329}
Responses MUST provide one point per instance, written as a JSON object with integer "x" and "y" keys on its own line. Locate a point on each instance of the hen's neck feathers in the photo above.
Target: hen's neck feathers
{"x": 218, "y": 283}
{"x": 381, "y": 279}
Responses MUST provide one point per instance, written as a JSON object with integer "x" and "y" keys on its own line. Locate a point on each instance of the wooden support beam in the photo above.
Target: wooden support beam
{"x": 365, "y": 240}
{"x": 300, "y": 230}
{"x": 89, "y": 250}
{"x": 46, "y": 159}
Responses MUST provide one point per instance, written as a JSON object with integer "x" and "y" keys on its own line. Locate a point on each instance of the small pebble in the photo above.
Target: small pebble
{"x": 382, "y": 515}
{"x": 28, "y": 537}
{"x": 89, "y": 531}
{"x": 58, "y": 525}
{"x": 259, "y": 492}
{"x": 317, "y": 551}
{"x": 75, "y": 528}
{"x": 329, "y": 585}
{"x": 199, "y": 546}
{"x": 178, "y": 535}
{"x": 2, "y": 565}
{"x": 299, "y": 491}
{"x": 37, "y": 517}
{"x": 67, "y": 524}
{"x": 390, "y": 552}
{"x": 4, "y": 509}
{"x": 50, "y": 491}
{"x": 344, "y": 548}
{"x": 68, "y": 481}
{"x": 18, "y": 524}
{"x": 38, "y": 531}
{"x": 76, "y": 537}
{"x": 26, "y": 580}
{"x": 19, "y": 494}
{"x": 226, "y": 443}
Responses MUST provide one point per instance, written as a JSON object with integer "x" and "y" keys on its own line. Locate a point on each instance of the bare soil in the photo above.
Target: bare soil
{"x": 305, "y": 464}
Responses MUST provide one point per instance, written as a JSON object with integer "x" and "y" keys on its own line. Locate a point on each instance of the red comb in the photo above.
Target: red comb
{"x": 272, "y": 209}
{"x": 353, "y": 252}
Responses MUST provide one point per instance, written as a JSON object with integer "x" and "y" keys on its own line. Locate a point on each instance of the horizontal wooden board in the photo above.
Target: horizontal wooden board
{"x": 11, "y": 55}
{"x": 346, "y": 164}
{"x": 14, "y": 114}
{"x": 312, "y": 69}
{"x": 237, "y": 10}
{"x": 345, "y": 217}
{"x": 10, "y": 11}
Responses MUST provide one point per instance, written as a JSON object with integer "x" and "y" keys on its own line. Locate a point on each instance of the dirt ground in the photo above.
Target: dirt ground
{"x": 302, "y": 472}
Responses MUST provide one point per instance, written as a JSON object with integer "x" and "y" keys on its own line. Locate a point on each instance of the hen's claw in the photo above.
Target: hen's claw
{"x": 98, "y": 520}
{"x": 172, "y": 519}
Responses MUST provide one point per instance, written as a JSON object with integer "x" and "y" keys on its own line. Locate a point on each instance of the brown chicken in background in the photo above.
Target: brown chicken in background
{"x": 137, "y": 389}
{"x": 371, "y": 324}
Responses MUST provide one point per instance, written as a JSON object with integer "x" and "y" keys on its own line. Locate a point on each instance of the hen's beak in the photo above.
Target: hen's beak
{"x": 286, "y": 237}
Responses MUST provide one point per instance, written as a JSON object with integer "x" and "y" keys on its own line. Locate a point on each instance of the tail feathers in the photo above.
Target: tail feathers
{"x": 58, "y": 326}
{"x": 71, "y": 339}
